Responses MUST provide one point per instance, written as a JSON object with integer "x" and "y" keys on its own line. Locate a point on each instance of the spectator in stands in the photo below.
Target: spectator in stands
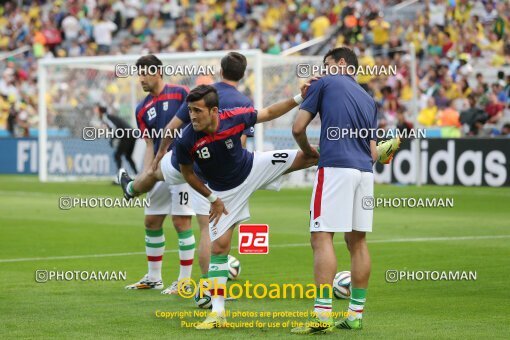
{"x": 441, "y": 99}
{"x": 448, "y": 116}
{"x": 494, "y": 109}
{"x": 320, "y": 25}
{"x": 490, "y": 14}
{"x": 428, "y": 115}
{"x": 463, "y": 87}
{"x": 505, "y": 131}
{"x": 71, "y": 27}
{"x": 390, "y": 105}
{"x": 380, "y": 33}
{"x": 498, "y": 90}
{"x": 473, "y": 118}
{"x": 437, "y": 13}
{"x": 103, "y": 33}
{"x": 507, "y": 86}
{"x": 403, "y": 124}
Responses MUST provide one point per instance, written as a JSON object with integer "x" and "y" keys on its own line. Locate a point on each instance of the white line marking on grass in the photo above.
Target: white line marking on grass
{"x": 395, "y": 240}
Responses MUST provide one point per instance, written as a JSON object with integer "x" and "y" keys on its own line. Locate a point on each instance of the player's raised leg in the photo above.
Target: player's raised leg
{"x": 143, "y": 183}
{"x": 303, "y": 161}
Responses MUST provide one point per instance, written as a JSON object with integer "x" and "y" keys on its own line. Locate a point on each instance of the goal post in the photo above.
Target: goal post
{"x": 70, "y": 87}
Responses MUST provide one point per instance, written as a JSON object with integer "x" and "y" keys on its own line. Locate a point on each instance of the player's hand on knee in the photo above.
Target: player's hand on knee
{"x": 217, "y": 209}
{"x": 155, "y": 162}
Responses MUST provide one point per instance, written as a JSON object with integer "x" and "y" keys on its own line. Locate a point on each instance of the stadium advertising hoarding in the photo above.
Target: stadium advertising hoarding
{"x": 65, "y": 157}
{"x": 467, "y": 162}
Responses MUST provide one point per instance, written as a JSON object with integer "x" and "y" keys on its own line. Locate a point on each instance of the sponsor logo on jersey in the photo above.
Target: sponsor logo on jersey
{"x": 165, "y": 106}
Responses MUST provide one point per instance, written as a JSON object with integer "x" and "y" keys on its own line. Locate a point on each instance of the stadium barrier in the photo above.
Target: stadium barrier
{"x": 467, "y": 162}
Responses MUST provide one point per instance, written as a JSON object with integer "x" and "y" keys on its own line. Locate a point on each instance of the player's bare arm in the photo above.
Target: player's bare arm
{"x": 373, "y": 150}
{"x": 244, "y": 139}
{"x": 302, "y": 121}
{"x": 217, "y": 206}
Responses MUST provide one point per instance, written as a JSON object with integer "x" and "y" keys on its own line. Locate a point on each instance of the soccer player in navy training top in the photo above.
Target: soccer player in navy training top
{"x": 344, "y": 178}
{"x": 212, "y": 143}
{"x": 153, "y": 114}
{"x": 233, "y": 67}
{"x": 232, "y": 173}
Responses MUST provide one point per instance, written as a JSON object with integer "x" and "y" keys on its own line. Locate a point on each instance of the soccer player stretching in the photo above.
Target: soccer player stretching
{"x": 233, "y": 67}
{"x": 343, "y": 179}
{"x": 213, "y": 143}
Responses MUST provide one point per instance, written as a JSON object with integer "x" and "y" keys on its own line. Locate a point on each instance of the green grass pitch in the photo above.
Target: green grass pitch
{"x": 472, "y": 236}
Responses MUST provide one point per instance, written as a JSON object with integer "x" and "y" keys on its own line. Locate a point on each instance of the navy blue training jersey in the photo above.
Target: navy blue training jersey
{"x": 342, "y": 104}
{"x": 222, "y": 161}
{"x": 154, "y": 113}
{"x": 229, "y": 98}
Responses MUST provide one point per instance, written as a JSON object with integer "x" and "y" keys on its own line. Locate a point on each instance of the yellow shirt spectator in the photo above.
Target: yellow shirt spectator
{"x": 406, "y": 93}
{"x": 381, "y": 30}
{"x": 452, "y": 92}
{"x": 427, "y": 116}
{"x": 453, "y": 32}
{"x": 365, "y": 61}
{"x": 416, "y": 37}
{"x": 139, "y": 23}
{"x": 319, "y": 26}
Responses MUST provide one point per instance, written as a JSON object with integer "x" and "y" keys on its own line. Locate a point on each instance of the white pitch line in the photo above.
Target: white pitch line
{"x": 396, "y": 240}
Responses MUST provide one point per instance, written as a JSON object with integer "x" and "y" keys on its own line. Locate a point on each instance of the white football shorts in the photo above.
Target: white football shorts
{"x": 338, "y": 200}
{"x": 199, "y": 204}
{"x": 267, "y": 168}
{"x": 169, "y": 200}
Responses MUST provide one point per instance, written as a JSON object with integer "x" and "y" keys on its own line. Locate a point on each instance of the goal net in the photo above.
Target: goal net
{"x": 70, "y": 87}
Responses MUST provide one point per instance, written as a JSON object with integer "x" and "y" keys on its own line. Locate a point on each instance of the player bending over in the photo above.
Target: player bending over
{"x": 213, "y": 144}
{"x": 233, "y": 67}
{"x": 232, "y": 173}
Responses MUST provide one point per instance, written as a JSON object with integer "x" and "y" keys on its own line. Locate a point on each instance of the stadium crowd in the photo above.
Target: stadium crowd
{"x": 456, "y": 42}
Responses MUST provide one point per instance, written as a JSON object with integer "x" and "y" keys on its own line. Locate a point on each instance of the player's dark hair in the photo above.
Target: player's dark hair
{"x": 233, "y": 66}
{"x": 206, "y": 92}
{"x": 342, "y": 52}
{"x": 149, "y": 60}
